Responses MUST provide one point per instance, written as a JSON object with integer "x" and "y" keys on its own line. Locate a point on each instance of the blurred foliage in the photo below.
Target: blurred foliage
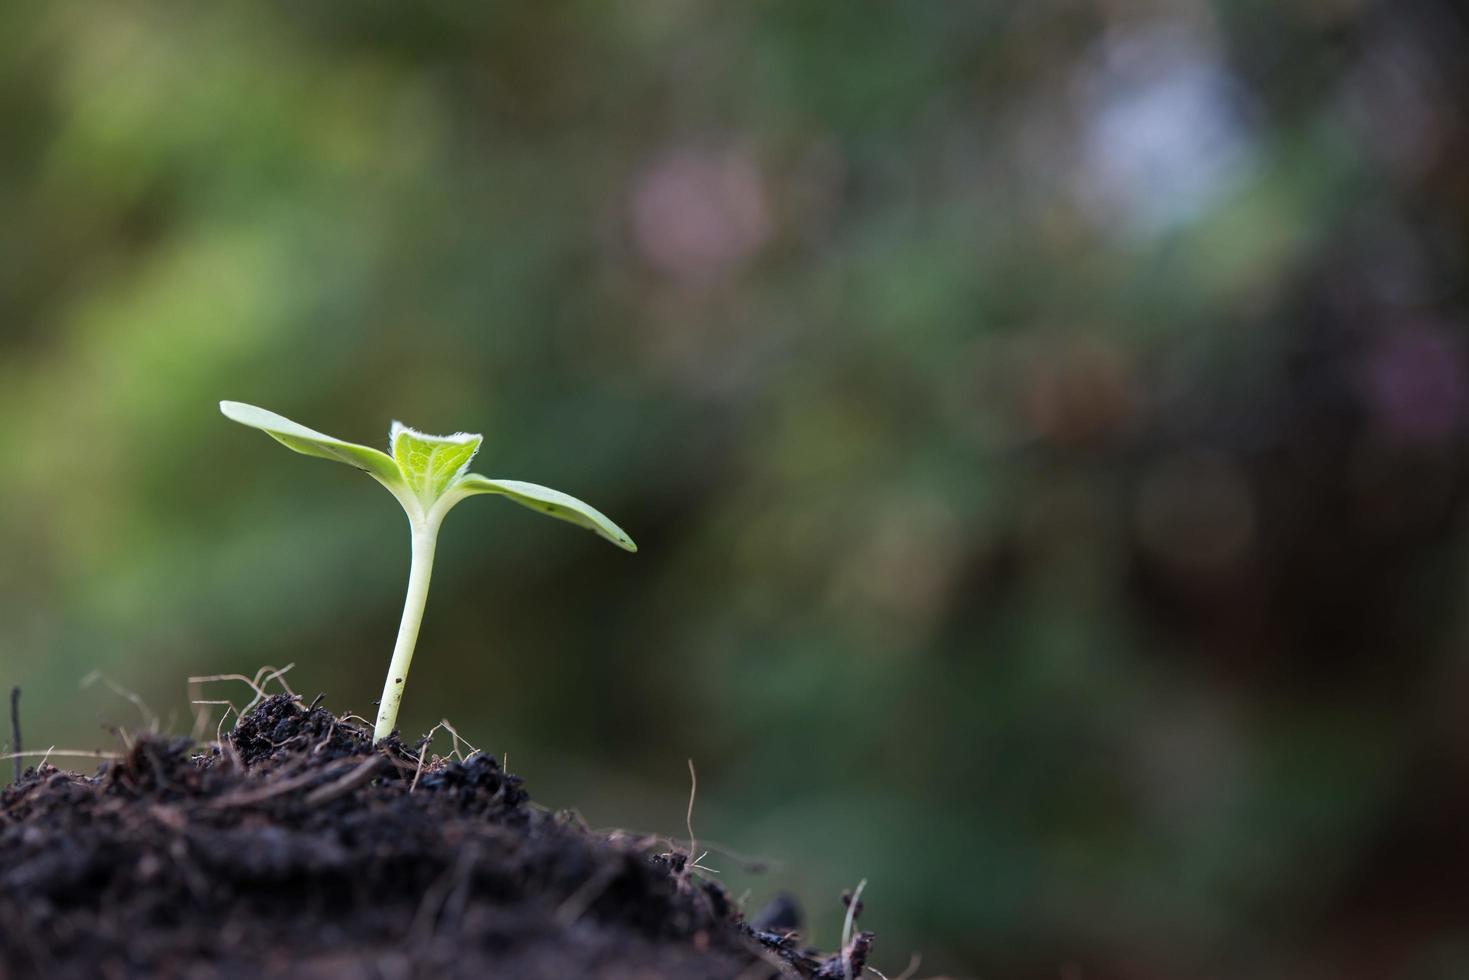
{"x": 1043, "y": 424}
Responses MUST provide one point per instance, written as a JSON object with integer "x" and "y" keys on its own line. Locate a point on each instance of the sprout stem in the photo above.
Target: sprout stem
{"x": 424, "y": 539}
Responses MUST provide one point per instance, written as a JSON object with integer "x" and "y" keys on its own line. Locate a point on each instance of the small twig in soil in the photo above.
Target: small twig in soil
{"x": 15, "y": 744}
{"x": 279, "y": 788}
{"x": 588, "y": 892}
{"x": 346, "y": 784}
{"x": 327, "y": 738}
{"x": 160, "y": 778}
{"x": 453, "y": 910}
{"x": 402, "y": 763}
{"x": 439, "y": 895}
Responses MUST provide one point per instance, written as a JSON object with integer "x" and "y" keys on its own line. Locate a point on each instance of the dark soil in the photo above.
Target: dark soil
{"x": 297, "y": 849}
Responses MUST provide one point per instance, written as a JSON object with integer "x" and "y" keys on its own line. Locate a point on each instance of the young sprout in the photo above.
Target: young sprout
{"x": 428, "y": 475}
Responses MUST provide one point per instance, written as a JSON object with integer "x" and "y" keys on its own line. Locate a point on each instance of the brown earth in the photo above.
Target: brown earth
{"x": 296, "y": 848}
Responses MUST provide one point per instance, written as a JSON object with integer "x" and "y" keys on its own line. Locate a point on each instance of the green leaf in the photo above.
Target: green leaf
{"x": 427, "y": 473}
{"x": 551, "y": 502}
{"x": 431, "y": 463}
{"x": 295, "y": 436}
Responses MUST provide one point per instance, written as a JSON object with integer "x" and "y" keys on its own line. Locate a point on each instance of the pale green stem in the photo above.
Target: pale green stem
{"x": 424, "y": 539}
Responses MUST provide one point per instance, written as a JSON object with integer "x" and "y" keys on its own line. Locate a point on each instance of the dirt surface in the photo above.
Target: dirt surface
{"x": 297, "y": 849}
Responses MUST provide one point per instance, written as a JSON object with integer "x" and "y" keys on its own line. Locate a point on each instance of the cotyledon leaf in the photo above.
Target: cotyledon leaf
{"x": 428, "y": 468}
{"x": 309, "y": 442}
{"x": 553, "y": 503}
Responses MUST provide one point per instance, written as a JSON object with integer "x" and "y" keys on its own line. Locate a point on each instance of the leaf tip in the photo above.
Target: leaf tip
{"x": 233, "y": 410}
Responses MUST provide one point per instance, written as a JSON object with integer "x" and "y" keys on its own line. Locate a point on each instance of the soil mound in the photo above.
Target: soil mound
{"x": 298, "y": 849}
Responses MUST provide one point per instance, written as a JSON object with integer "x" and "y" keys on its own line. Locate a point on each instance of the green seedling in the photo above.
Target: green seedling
{"x": 428, "y": 475}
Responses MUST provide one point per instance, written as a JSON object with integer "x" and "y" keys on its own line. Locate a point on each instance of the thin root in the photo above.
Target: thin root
{"x": 262, "y": 677}
{"x": 422, "y": 753}
{"x": 689, "y": 816}
{"x": 847, "y": 927}
{"x": 69, "y": 753}
{"x": 457, "y": 739}
{"x": 913, "y": 963}
{"x": 150, "y": 718}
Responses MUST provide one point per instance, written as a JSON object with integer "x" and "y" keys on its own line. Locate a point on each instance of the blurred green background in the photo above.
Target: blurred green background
{"x": 1043, "y": 424}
